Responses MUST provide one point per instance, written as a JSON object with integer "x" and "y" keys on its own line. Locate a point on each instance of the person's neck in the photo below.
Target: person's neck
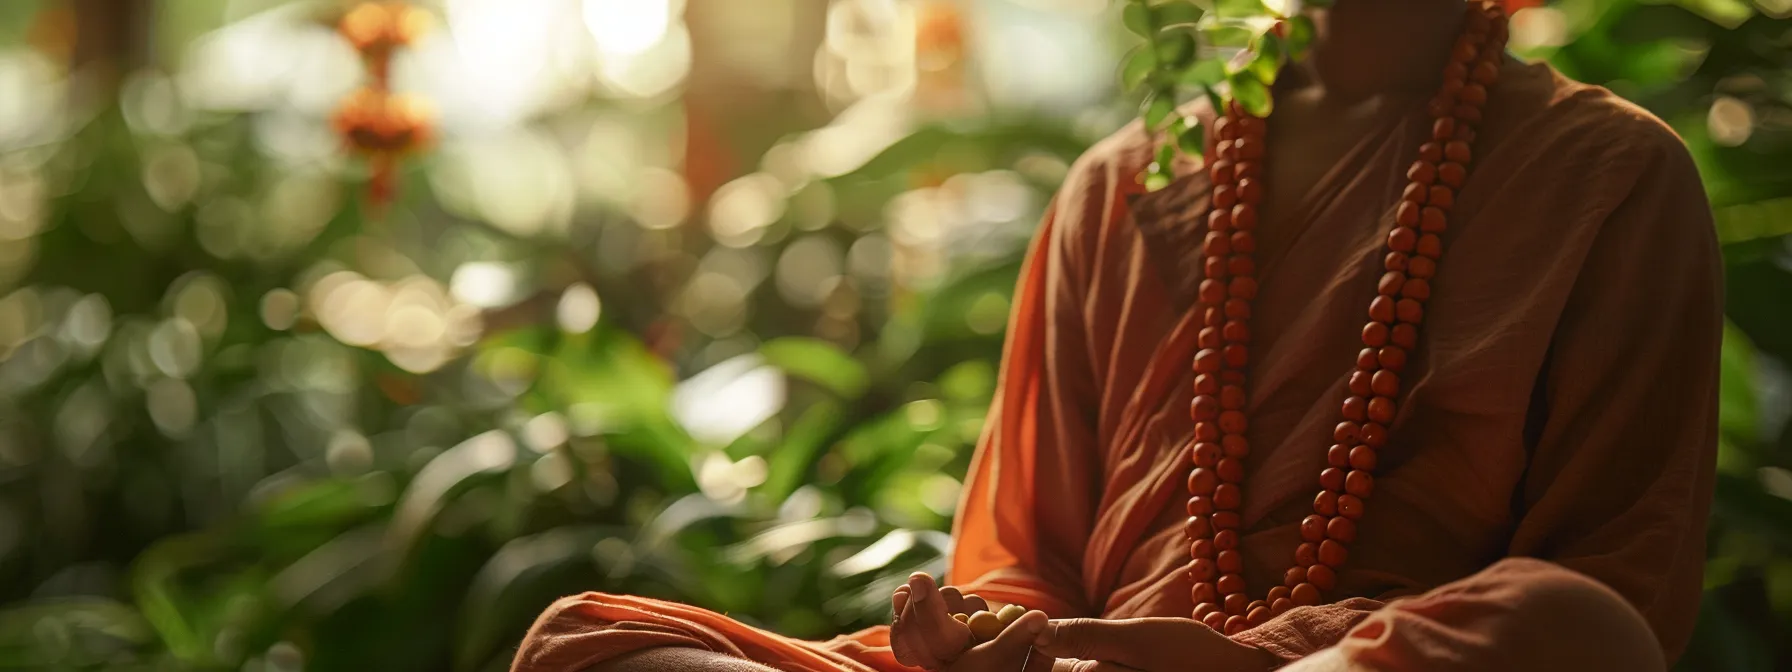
{"x": 1376, "y": 49}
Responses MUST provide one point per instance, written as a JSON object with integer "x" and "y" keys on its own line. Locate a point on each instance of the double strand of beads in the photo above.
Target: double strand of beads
{"x": 1413, "y": 248}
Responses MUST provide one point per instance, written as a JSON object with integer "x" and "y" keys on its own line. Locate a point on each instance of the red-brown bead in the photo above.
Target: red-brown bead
{"x": 1304, "y": 595}
{"x": 1322, "y": 577}
{"x": 1432, "y": 219}
{"x": 1422, "y": 172}
{"x": 1390, "y": 283}
{"x": 1381, "y": 409}
{"x": 1312, "y": 528}
{"x": 1359, "y": 483}
{"x": 1216, "y": 620}
{"x": 1244, "y": 216}
{"x": 1230, "y": 562}
{"x": 1332, "y": 479}
{"x": 1373, "y": 434}
{"x": 1362, "y": 457}
{"x": 1306, "y": 554}
{"x": 1326, "y": 503}
{"x": 1331, "y": 553}
{"x": 1227, "y": 497}
{"x": 1229, "y": 585}
{"x": 1196, "y": 527}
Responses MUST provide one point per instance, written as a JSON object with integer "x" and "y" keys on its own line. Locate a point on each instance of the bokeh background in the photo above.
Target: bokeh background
{"x": 693, "y": 299}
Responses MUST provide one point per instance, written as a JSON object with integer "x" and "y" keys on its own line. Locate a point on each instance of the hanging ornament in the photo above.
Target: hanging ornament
{"x": 375, "y": 122}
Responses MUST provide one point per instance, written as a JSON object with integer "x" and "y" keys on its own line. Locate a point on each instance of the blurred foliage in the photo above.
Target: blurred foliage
{"x": 201, "y": 468}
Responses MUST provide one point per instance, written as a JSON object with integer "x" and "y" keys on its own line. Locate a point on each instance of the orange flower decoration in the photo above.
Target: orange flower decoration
{"x": 377, "y": 28}
{"x": 377, "y": 122}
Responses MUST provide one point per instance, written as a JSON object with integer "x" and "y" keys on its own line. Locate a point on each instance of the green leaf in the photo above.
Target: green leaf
{"x": 1175, "y": 50}
{"x": 1269, "y": 59}
{"x": 1754, "y": 221}
{"x": 1158, "y": 108}
{"x": 1215, "y": 101}
{"x": 1240, "y": 8}
{"x": 818, "y": 361}
{"x": 1137, "y": 67}
{"x": 1300, "y": 36}
{"x": 1166, "y": 155}
{"x": 1737, "y": 408}
{"x": 1228, "y": 34}
{"x": 1156, "y": 180}
{"x": 1205, "y": 72}
{"x": 1192, "y": 140}
{"x": 1250, "y": 93}
{"x": 792, "y": 459}
{"x": 1137, "y": 18}
{"x": 1177, "y": 13}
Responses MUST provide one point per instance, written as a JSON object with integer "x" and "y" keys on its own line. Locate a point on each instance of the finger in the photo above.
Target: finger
{"x": 944, "y": 637}
{"x": 907, "y": 642}
{"x": 973, "y": 604}
{"x": 954, "y": 600}
{"x": 1009, "y": 650}
{"x": 1129, "y": 642}
{"x": 899, "y": 600}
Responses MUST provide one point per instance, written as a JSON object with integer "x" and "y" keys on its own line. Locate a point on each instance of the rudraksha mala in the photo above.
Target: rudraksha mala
{"x": 1413, "y": 249}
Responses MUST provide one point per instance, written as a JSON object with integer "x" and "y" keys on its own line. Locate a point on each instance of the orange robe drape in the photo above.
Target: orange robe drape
{"x": 1561, "y": 406}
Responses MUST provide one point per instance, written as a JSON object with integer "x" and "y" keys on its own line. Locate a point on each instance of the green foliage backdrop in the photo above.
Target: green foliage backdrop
{"x": 198, "y": 474}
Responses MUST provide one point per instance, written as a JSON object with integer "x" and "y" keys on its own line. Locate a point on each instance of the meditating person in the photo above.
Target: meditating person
{"x": 1260, "y": 419}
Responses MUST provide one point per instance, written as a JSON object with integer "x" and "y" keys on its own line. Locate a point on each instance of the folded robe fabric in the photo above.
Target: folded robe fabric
{"x": 1561, "y": 406}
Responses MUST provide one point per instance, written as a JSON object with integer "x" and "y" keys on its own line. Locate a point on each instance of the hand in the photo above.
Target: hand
{"x": 1146, "y": 645}
{"x": 926, "y": 635}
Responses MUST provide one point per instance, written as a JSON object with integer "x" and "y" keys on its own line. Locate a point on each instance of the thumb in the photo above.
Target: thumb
{"x": 1129, "y": 642}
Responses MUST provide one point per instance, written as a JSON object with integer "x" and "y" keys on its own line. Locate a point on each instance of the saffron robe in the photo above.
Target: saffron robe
{"x": 1541, "y": 501}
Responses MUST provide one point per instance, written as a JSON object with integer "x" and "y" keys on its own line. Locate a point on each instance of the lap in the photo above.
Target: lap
{"x": 1519, "y": 613}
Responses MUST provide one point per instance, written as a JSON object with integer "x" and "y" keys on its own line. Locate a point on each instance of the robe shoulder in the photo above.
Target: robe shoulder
{"x": 1583, "y": 142}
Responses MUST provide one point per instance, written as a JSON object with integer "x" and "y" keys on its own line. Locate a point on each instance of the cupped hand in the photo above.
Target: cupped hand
{"x": 925, "y": 634}
{"x": 1147, "y": 645}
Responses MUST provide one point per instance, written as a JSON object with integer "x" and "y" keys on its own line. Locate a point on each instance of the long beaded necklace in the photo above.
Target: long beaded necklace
{"x": 1413, "y": 248}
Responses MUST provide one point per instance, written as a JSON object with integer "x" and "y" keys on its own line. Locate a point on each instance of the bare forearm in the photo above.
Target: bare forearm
{"x": 678, "y": 659}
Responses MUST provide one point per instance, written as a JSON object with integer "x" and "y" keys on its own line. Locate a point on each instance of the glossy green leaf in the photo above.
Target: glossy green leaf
{"x": 1192, "y": 140}
{"x": 1738, "y": 409}
{"x": 1137, "y": 18}
{"x": 1176, "y": 13}
{"x": 1268, "y": 61}
{"x": 1228, "y": 34}
{"x": 1250, "y": 93}
{"x": 1754, "y": 221}
{"x": 818, "y": 361}
{"x": 1240, "y": 8}
{"x": 1205, "y": 72}
{"x": 1137, "y": 66}
{"x": 1157, "y": 108}
{"x": 1156, "y": 180}
{"x": 1175, "y": 50}
{"x": 1166, "y": 154}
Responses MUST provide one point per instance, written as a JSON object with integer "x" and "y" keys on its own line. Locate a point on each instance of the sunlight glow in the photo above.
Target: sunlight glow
{"x": 627, "y": 27}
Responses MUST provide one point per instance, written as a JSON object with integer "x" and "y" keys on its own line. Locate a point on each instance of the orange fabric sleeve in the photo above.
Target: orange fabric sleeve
{"x": 578, "y": 632}
{"x": 1619, "y": 480}
{"x": 1030, "y": 497}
